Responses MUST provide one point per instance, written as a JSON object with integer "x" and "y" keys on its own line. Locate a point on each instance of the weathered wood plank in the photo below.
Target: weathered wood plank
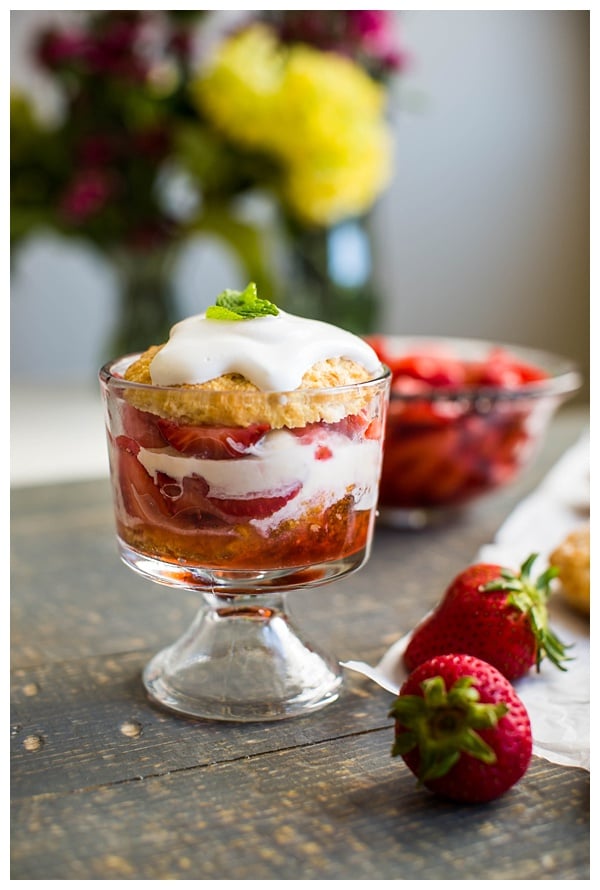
{"x": 341, "y": 809}
{"x": 82, "y": 724}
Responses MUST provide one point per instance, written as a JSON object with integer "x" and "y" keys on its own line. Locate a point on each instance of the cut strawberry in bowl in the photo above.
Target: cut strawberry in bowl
{"x": 465, "y": 417}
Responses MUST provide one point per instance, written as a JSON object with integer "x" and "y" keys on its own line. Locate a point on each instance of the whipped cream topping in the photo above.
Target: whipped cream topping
{"x": 273, "y": 352}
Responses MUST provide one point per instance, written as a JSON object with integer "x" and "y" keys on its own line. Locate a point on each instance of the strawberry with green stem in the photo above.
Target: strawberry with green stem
{"x": 495, "y": 614}
{"x": 461, "y": 729}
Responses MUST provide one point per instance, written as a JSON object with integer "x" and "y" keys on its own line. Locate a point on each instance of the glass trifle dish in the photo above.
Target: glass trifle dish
{"x": 245, "y": 456}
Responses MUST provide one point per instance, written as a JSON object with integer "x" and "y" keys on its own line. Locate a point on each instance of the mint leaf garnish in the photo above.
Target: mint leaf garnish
{"x": 234, "y": 305}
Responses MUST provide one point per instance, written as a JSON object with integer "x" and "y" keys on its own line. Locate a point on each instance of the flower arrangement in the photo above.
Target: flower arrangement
{"x": 157, "y": 141}
{"x": 316, "y": 114}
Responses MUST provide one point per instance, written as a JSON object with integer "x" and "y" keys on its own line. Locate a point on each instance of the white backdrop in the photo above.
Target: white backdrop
{"x": 484, "y": 231}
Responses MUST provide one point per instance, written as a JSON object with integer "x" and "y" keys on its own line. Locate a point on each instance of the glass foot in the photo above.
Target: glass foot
{"x": 242, "y": 660}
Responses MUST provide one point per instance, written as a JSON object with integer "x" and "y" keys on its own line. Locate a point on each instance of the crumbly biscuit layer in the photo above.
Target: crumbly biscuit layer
{"x": 236, "y": 401}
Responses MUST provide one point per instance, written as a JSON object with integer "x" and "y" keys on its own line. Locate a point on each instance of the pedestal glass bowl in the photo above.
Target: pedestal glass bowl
{"x": 465, "y": 418}
{"x": 243, "y": 513}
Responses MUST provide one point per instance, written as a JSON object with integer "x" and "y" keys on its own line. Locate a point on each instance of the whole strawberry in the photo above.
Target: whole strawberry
{"x": 461, "y": 729}
{"x": 495, "y": 614}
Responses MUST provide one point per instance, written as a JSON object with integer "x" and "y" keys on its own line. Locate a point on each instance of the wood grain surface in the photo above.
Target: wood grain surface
{"x": 105, "y": 786}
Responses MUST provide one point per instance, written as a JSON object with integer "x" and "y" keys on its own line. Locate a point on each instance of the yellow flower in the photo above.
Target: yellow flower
{"x": 236, "y": 93}
{"x": 318, "y": 114}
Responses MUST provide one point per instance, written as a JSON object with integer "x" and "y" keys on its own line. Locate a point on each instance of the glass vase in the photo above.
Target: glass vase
{"x": 146, "y": 299}
{"x": 328, "y": 275}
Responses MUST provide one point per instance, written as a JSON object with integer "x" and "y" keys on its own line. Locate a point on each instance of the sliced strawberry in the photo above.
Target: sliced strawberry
{"x": 530, "y": 373}
{"x": 396, "y": 363}
{"x": 436, "y": 369}
{"x": 141, "y": 426}
{"x": 258, "y": 506}
{"x": 409, "y": 386}
{"x": 188, "y": 504}
{"x": 423, "y": 413}
{"x": 309, "y": 433}
{"x": 190, "y": 492}
{"x": 140, "y": 496}
{"x": 374, "y": 430}
{"x": 501, "y": 369}
{"x": 422, "y": 469}
{"x": 497, "y": 374}
{"x": 211, "y": 442}
{"x": 434, "y": 366}
{"x": 126, "y": 443}
{"x": 352, "y": 426}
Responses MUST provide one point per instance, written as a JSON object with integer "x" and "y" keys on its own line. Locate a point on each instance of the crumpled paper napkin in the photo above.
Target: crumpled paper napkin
{"x": 558, "y": 702}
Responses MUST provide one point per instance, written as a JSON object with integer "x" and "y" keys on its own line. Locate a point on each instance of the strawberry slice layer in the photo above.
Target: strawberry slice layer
{"x": 140, "y": 497}
{"x": 211, "y": 442}
{"x": 260, "y": 506}
{"x": 164, "y": 500}
{"x": 352, "y": 426}
{"x": 141, "y": 426}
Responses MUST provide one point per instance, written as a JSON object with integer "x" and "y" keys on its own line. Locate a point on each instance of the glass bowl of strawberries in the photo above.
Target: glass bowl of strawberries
{"x": 465, "y": 418}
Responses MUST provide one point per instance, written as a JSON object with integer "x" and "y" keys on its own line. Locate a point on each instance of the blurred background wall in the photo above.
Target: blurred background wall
{"x": 483, "y": 232}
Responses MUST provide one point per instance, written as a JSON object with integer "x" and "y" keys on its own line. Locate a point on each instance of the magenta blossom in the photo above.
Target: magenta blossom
{"x": 115, "y": 48}
{"x": 58, "y": 48}
{"x": 368, "y": 36}
{"x": 110, "y": 46}
{"x": 86, "y": 195}
{"x": 374, "y": 28}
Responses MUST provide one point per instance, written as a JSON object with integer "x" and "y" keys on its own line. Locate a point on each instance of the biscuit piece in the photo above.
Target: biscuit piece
{"x": 572, "y": 558}
{"x": 232, "y": 400}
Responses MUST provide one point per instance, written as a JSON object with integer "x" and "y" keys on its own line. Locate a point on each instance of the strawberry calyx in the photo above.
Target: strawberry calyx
{"x": 443, "y": 725}
{"x": 531, "y": 597}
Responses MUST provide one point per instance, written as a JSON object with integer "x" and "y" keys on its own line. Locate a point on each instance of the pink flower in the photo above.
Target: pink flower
{"x": 368, "y": 22}
{"x": 87, "y": 193}
{"x": 373, "y": 29}
{"x": 57, "y": 48}
{"x": 110, "y": 46}
{"x": 114, "y": 49}
{"x": 366, "y": 35}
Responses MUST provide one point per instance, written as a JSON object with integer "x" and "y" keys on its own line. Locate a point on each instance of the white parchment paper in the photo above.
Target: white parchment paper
{"x": 558, "y": 702}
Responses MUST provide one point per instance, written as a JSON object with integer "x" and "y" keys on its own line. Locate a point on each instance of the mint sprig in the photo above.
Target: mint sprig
{"x": 236, "y": 305}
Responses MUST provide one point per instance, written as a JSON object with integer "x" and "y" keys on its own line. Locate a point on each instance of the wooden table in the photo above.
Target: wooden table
{"x": 105, "y": 786}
